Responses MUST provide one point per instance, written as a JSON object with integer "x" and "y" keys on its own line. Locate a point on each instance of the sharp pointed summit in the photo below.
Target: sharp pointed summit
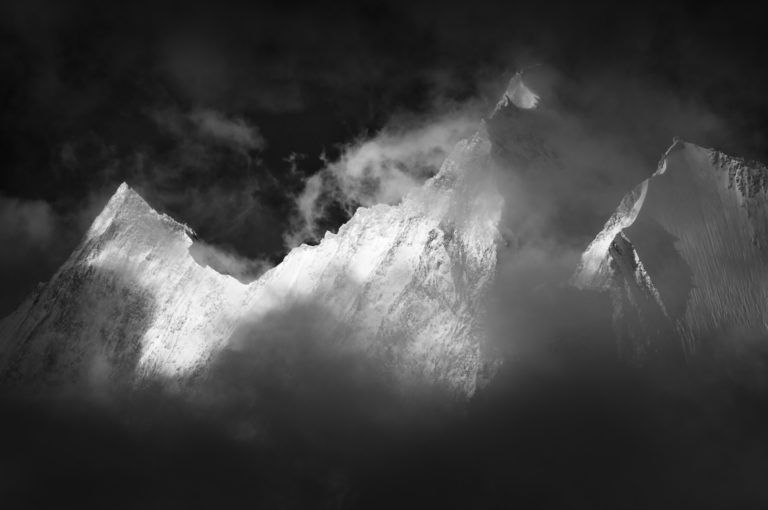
{"x": 517, "y": 94}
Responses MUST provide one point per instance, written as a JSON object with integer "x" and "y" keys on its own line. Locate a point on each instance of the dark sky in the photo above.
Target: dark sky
{"x": 94, "y": 93}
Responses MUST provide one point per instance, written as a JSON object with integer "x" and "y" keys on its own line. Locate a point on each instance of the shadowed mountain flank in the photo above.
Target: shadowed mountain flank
{"x": 690, "y": 239}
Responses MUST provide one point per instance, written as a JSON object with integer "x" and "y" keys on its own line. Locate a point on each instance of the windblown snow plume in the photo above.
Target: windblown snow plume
{"x": 379, "y": 170}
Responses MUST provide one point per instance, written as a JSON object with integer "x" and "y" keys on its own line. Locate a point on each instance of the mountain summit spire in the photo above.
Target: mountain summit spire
{"x": 517, "y": 94}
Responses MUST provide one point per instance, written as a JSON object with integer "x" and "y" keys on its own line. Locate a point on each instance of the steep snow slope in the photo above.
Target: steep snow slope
{"x": 403, "y": 284}
{"x": 684, "y": 256}
{"x": 129, "y": 302}
{"x": 406, "y": 282}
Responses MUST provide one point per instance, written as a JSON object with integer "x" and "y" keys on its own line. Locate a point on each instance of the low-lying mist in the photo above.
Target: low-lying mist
{"x": 286, "y": 423}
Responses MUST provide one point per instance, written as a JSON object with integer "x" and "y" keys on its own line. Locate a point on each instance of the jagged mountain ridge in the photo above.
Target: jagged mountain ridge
{"x": 402, "y": 284}
{"x": 684, "y": 255}
{"x": 683, "y": 259}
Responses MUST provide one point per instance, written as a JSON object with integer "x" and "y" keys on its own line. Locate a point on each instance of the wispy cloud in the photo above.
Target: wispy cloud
{"x": 31, "y": 222}
{"x": 32, "y": 241}
{"x": 227, "y": 262}
{"x": 380, "y": 169}
{"x": 231, "y": 131}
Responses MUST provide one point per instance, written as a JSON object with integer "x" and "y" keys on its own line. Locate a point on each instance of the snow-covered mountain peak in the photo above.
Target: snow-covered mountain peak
{"x": 517, "y": 94}
{"x": 684, "y": 253}
{"x": 403, "y": 285}
{"x": 128, "y": 210}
